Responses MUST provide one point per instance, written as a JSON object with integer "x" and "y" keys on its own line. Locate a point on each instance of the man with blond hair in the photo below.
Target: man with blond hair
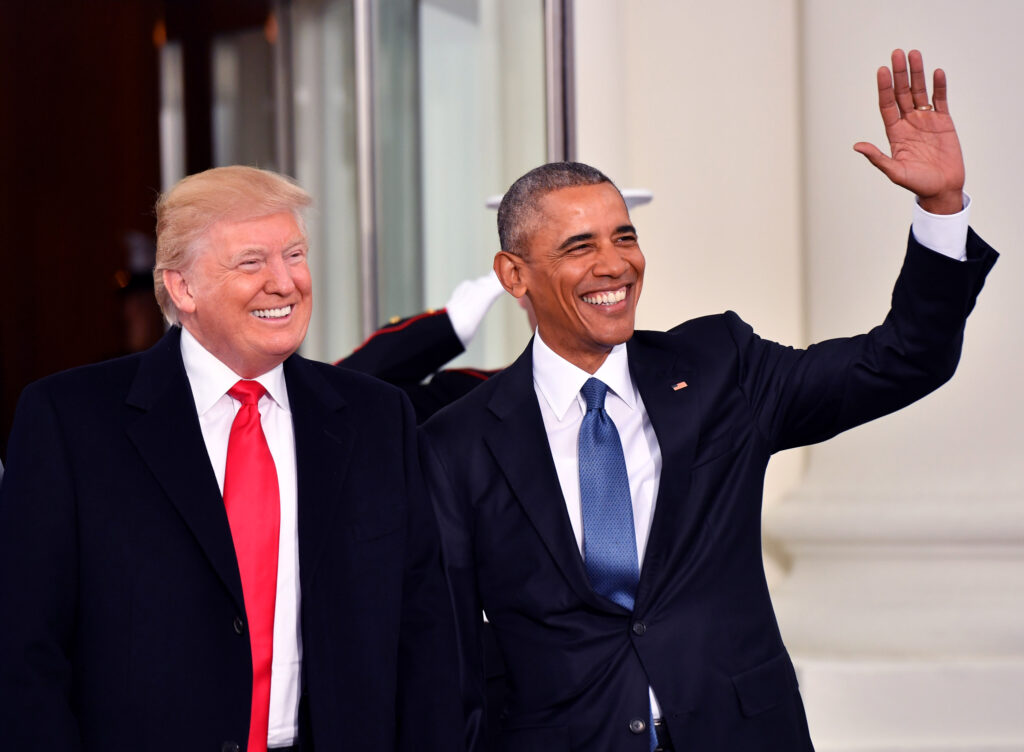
{"x": 217, "y": 544}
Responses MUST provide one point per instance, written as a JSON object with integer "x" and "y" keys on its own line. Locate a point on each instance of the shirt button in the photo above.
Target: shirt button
{"x": 639, "y": 628}
{"x": 230, "y": 747}
{"x": 239, "y": 625}
{"x": 638, "y": 726}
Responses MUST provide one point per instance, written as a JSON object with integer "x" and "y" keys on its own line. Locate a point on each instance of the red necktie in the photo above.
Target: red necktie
{"x": 253, "y": 504}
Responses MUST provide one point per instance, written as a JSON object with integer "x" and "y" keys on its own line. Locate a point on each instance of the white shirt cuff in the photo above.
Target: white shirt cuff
{"x": 943, "y": 233}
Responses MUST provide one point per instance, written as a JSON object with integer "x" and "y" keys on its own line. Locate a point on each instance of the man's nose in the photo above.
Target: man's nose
{"x": 279, "y": 277}
{"x": 611, "y": 262}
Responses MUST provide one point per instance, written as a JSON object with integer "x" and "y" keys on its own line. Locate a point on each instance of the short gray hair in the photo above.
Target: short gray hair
{"x": 520, "y": 202}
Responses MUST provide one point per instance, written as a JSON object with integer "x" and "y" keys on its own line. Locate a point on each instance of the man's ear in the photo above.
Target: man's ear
{"x": 509, "y": 268}
{"x": 179, "y": 290}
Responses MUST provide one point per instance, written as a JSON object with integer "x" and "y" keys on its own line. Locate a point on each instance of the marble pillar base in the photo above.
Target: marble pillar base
{"x": 899, "y": 578}
{"x": 905, "y": 617}
{"x": 914, "y": 706}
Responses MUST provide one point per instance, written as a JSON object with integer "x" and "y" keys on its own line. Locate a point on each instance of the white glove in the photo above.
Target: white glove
{"x": 470, "y": 302}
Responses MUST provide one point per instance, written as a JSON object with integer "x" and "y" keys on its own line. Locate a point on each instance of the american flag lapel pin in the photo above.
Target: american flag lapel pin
{"x": 680, "y": 385}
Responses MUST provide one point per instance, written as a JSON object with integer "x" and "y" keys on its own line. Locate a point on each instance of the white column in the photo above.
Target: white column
{"x": 903, "y": 604}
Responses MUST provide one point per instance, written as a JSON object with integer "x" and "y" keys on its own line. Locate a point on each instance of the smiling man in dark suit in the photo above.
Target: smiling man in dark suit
{"x": 600, "y": 499}
{"x": 217, "y": 544}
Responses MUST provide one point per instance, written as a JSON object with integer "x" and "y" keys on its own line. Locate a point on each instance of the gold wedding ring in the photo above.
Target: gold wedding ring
{"x": 924, "y": 108}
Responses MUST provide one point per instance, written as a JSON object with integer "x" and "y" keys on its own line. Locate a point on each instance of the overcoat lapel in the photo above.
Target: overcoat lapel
{"x": 670, "y": 390}
{"x": 168, "y": 438}
{"x": 323, "y": 444}
{"x": 519, "y": 444}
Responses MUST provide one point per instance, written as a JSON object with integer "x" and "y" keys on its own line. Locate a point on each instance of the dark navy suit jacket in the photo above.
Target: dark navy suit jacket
{"x": 703, "y": 633}
{"x": 121, "y": 596}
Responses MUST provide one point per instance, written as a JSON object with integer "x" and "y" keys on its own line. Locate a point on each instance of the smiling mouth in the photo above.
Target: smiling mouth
{"x": 273, "y": 313}
{"x": 605, "y": 298}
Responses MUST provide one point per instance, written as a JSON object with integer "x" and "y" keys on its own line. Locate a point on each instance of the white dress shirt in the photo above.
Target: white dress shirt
{"x": 558, "y": 382}
{"x": 943, "y": 233}
{"x": 210, "y": 381}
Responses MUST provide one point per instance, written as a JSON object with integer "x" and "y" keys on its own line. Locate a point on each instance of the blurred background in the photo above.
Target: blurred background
{"x": 895, "y": 553}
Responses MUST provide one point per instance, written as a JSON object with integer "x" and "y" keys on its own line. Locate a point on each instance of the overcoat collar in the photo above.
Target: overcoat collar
{"x": 323, "y": 449}
{"x": 170, "y": 441}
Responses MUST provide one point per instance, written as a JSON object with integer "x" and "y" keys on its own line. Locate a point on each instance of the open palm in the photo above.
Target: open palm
{"x": 926, "y": 156}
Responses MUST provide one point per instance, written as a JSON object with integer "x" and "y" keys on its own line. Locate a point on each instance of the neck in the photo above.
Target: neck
{"x": 585, "y": 360}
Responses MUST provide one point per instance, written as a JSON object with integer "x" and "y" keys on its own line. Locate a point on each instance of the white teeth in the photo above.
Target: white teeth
{"x": 606, "y": 298}
{"x": 272, "y": 313}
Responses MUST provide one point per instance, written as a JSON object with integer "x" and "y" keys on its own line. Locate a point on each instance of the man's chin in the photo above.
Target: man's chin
{"x": 615, "y": 337}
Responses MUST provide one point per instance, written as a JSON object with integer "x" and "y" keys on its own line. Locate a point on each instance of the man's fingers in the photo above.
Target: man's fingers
{"x": 918, "y": 87}
{"x": 901, "y": 83}
{"x": 884, "y": 163}
{"x": 887, "y": 98}
{"x": 939, "y": 91}
{"x": 867, "y": 149}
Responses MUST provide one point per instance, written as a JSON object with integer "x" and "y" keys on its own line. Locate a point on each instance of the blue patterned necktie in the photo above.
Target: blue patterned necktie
{"x": 609, "y": 540}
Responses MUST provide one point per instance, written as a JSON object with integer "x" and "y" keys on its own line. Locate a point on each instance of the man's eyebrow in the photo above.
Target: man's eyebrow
{"x": 249, "y": 251}
{"x": 620, "y": 230}
{"x": 575, "y": 239}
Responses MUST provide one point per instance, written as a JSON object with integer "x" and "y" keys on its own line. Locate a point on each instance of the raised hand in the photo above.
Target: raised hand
{"x": 926, "y": 156}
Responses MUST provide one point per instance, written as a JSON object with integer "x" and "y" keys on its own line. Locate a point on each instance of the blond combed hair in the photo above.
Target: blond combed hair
{"x": 185, "y": 214}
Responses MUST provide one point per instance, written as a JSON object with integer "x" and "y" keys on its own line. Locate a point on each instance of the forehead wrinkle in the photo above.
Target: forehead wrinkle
{"x": 263, "y": 250}
{"x": 213, "y": 239}
{"x": 536, "y": 211}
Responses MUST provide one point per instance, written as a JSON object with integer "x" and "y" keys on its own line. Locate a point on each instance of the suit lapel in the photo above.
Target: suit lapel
{"x": 519, "y": 444}
{"x": 672, "y": 409}
{"x": 323, "y": 443}
{"x": 170, "y": 442}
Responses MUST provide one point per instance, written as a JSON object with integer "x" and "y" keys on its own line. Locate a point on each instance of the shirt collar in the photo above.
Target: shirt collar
{"x": 559, "y": 381}
{"x": 210, "y": 379}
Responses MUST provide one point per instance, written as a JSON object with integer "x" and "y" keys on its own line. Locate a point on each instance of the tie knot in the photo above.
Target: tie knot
{"x": 247, "y": 392}
{"x": 593, "y": 392}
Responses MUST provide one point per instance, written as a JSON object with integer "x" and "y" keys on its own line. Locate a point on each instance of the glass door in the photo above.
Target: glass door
{"x": 482, "y": 114}
{"x": 401, "y": 118}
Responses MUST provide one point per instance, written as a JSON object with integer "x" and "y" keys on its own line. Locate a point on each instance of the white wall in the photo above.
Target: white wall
{"x": 864, "y": 219}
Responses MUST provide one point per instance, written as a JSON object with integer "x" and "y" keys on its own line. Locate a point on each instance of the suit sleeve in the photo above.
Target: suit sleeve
{"x": 802, "y": 397}
{"x": 428, "y": 706}
{"x": 38, "y": 582}
{"x": 455, "y": 521}
{"x": 407, "y": 351}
